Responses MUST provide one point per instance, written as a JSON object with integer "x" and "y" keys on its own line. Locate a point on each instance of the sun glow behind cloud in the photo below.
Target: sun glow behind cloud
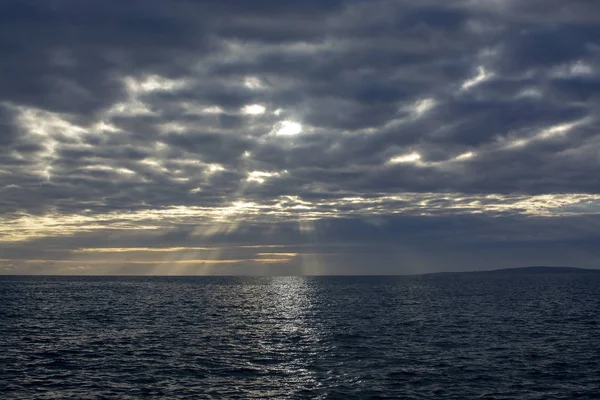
{"x": 243, "y": 123}
{"x": 413, "y": 157}
{"x": 260, "y": 176}
{"x": 465, "y": 156}
{"x": 482, "y": 75}
{"x": 287, "y": 128}
{"x": 254, "y": 109}
{"x": 423, "y": 106}
{"x": 286, "y": 209}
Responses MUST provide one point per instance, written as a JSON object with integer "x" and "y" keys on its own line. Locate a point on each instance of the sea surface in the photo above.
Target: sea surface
{"x": 531, "y": 336}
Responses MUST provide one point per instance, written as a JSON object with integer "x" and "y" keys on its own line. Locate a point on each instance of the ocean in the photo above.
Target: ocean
{"x": 490, "y": 336}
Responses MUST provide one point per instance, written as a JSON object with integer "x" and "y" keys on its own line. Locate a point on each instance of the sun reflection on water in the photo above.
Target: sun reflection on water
{"x": 293, "y": 307}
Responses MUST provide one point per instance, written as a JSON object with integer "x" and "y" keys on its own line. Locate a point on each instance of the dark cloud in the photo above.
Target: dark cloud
{"x": 258, "y": 122}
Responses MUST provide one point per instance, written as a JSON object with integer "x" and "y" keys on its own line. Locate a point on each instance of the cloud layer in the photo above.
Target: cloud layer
{"x": 235, "y": 123}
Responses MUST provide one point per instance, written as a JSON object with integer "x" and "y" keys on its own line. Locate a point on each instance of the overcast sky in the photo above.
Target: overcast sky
{"x": 298, "y": 137}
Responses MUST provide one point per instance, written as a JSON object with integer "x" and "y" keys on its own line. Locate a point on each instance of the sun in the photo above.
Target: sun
{"x": 288, "y": 128}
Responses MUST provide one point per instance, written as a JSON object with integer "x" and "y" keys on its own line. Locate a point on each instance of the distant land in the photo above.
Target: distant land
{"x": 525, "y": 271}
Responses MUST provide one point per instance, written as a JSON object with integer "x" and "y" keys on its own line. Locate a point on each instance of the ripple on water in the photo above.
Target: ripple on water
{"x": 374, "y": 337}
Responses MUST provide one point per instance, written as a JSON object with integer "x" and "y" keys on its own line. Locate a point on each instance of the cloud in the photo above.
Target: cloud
{"x": 201, "y": 118}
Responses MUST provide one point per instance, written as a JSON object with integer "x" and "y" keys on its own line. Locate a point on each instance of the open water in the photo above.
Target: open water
{"x": 432, "y": 337}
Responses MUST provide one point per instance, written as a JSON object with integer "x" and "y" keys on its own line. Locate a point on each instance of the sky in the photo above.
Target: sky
{"x": 276, "y": 137}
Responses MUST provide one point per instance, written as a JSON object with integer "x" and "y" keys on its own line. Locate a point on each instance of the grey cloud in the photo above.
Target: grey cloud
{"x": 494, "y": 83}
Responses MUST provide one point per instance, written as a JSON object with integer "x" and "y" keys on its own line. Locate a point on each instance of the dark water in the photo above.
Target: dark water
{"x": 468, "y": 337}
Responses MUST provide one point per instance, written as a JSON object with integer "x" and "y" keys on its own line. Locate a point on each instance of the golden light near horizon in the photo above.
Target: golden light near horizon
{"x": 29, "y": 226}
